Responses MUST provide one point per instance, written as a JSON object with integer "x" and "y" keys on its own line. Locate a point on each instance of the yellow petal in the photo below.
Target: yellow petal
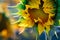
{"x": 49, "y": 22}
{"x": 34, "y": 3}
{"x": 35, "y": 20}
{"x": 27, "y": 23}
{"x": 47, "y": 29}
{"x": 51, "y": 15}
{"x": 40, "y": 28}
{"x": 23, "y": 14}
{"x": 48, "y": 8}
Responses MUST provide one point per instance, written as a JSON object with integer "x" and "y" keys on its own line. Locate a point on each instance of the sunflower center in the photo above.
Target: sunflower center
{"x": 38, "y": 13}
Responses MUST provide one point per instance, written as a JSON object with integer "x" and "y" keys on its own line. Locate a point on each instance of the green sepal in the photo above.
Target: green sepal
{"x": 24, "y": 2}
{"x": 20, "y": 20}
{"x": 21, "y": 7}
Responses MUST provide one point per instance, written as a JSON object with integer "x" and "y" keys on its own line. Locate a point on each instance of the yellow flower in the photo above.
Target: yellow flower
{"x": 38, "y": 14}
{"x": 35, "y": 15}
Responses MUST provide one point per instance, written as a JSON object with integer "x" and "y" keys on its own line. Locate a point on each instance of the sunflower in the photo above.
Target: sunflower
{"x": 40, "y": 12}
